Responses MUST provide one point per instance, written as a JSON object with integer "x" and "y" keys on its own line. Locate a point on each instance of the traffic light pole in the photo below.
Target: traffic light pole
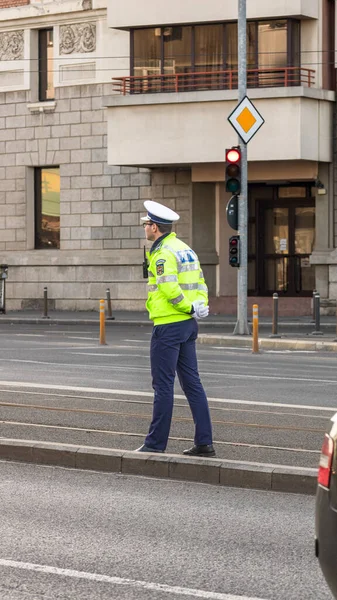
{"x": 241, "y": 327}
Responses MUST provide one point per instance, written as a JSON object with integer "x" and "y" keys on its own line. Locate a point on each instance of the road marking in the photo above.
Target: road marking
{"x": 107, "y": 354}
{"x": 59, "y": 331}
{"x": 72, "y": 388}
{"x": 146, "y": 416}
{"x": 134, "y": 583}
{"x": 80, "y": 337}
{"x": 141, "y": 435}
{"x": 29, "y": 335}
{"x": 227, "y": 348}
{"x": 145, "y": 402}
{"x": 204, "y": 373}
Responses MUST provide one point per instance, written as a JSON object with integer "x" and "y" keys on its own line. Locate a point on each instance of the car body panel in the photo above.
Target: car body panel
{"x": 326, "y": 521}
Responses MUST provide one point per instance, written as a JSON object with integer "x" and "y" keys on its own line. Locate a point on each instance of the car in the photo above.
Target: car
{"x": 326, "y": 508}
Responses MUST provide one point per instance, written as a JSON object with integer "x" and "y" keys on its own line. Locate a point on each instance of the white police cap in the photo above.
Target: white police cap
{"x": 158, "y": 213}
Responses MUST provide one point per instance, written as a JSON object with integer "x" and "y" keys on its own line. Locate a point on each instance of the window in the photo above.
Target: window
{"x": 177, "y": 49}
{"x": 206, "y": 56}
{"x": 46, "y": 65}
{"x": 208, "y": 46}
{"x": 47, "y": 207}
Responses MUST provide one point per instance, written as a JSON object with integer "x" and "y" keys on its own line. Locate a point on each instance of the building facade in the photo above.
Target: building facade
{"x": 170, "y": 112}
{"x": 68, "y": 220}
{"x": 105, "y": 106}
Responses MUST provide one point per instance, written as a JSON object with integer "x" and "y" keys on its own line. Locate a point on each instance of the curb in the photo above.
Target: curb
{"x": 258, "y": 476}
{"x": 267, "y": 343}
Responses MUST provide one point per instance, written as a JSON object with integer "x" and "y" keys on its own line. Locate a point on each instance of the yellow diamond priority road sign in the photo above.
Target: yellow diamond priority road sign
{"x": 246, "y": 120}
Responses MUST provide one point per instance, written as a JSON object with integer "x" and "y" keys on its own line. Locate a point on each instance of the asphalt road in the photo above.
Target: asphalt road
{"x": 69, "y": 535}
{"x": 58, "y": 384}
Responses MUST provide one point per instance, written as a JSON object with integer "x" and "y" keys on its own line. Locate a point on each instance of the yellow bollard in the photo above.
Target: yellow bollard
{"x": 255, "y": 328}
{"x": 102, "y": 322}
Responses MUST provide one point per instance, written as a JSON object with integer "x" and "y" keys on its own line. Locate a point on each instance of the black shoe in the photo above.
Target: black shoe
{"x": 206, "y": 451}
{"x": 144, "y": 448}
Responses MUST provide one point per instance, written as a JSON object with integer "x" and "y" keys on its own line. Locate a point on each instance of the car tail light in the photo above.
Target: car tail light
{"x": 325, "y": 463}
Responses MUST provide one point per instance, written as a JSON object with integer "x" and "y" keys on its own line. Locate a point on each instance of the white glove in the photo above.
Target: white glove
{"x": 200, "y": 310}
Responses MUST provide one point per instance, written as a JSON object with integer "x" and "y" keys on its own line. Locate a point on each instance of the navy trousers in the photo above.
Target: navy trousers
{"x": 173, "y": 351}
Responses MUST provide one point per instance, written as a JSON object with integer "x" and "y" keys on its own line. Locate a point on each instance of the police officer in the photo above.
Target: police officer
{"x": 177, "y": 297}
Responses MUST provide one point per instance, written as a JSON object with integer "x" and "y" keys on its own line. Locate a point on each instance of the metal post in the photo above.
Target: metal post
{"x": 3, "y": 296}
{"x": 108, "y": 300}
{"x": 102, "y": 323}
{"x": 3, "y": 277}
{"x": 241, "y": 327}
{"x": 313, "y": 305}
{"x": 255, "y": 329}
{"x": 317, "y": 304}
{"x": 45, "y": 303}
{"x": 274, "y": 330}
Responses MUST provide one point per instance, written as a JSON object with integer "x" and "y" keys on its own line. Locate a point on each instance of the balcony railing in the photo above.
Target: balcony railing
{"x": 213, "y": 80}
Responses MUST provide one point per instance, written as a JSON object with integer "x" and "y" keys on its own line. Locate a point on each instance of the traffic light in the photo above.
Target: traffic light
{"x": 233, "y": 170}
{"x": 234, "y": 251}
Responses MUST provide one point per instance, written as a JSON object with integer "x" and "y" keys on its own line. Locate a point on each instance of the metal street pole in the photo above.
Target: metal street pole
{"x": 241, "y": 327}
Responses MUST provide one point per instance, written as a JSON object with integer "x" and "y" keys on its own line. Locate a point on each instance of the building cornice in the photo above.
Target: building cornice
{"x": 70, "y": 13}
{"x": 219, "y": 95}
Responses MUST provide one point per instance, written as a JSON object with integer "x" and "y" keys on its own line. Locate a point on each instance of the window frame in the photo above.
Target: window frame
{"x": 43, "y": 64}
{"x": 38, "y": 209}
{"x": 290, "y": 45}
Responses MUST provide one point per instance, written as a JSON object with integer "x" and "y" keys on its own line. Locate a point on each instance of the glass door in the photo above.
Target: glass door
{"x": 304, "y": 238}
{"x": 276, "y": 249}
{"x": 284, "y": 246}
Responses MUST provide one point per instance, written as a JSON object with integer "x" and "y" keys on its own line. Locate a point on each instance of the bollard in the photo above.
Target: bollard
{"x": 102, "y": 323}
{"x": 313, "y": 305}
{"x": 45, "y": 303}
{"x": 274, "y": 330}
{"x": 255, "y": 328}
{"x": 317, "y": 312}
{"x": 108, "y": 300}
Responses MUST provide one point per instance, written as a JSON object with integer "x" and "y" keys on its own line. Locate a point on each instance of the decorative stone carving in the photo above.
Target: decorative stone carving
{"x": 11, "y": 45}
{"x": 77, "y": 38}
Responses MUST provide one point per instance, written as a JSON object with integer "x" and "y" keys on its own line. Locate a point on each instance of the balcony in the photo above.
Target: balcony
{"x": 213, "y": 80}
{"x": 174, "y": 119}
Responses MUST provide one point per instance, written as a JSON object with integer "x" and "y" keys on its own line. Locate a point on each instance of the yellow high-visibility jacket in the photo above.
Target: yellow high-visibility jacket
{"x": 175, "y": 281}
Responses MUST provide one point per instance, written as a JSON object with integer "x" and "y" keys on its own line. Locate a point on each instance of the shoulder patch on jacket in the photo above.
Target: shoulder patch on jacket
{"x": 160, "y": 266}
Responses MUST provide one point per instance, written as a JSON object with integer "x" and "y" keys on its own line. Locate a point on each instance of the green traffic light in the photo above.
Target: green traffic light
{"x": 233, "y": 186}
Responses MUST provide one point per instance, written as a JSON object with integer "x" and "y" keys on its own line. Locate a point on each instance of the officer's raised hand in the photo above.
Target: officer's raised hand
{"x": 200, "y": 310}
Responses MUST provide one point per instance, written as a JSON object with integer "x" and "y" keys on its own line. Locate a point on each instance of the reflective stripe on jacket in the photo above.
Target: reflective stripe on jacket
{"x": 175, "y": 281}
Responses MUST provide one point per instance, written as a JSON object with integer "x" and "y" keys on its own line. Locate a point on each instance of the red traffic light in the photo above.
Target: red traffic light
{"x": 233, "y": 170}
{"x": 233, "y": 155}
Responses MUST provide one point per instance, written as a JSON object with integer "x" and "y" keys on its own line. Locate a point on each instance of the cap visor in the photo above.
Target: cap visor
{"x": 145, "y": 219}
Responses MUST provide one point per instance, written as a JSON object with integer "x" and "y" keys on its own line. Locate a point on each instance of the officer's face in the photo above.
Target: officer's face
{"x": 150, "y": 231}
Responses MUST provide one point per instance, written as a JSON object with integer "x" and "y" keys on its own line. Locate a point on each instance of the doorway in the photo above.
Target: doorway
{"x": 285, "y": 236}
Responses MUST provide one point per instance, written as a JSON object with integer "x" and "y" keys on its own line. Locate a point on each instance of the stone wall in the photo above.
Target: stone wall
{"x": 101, "y": 236}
